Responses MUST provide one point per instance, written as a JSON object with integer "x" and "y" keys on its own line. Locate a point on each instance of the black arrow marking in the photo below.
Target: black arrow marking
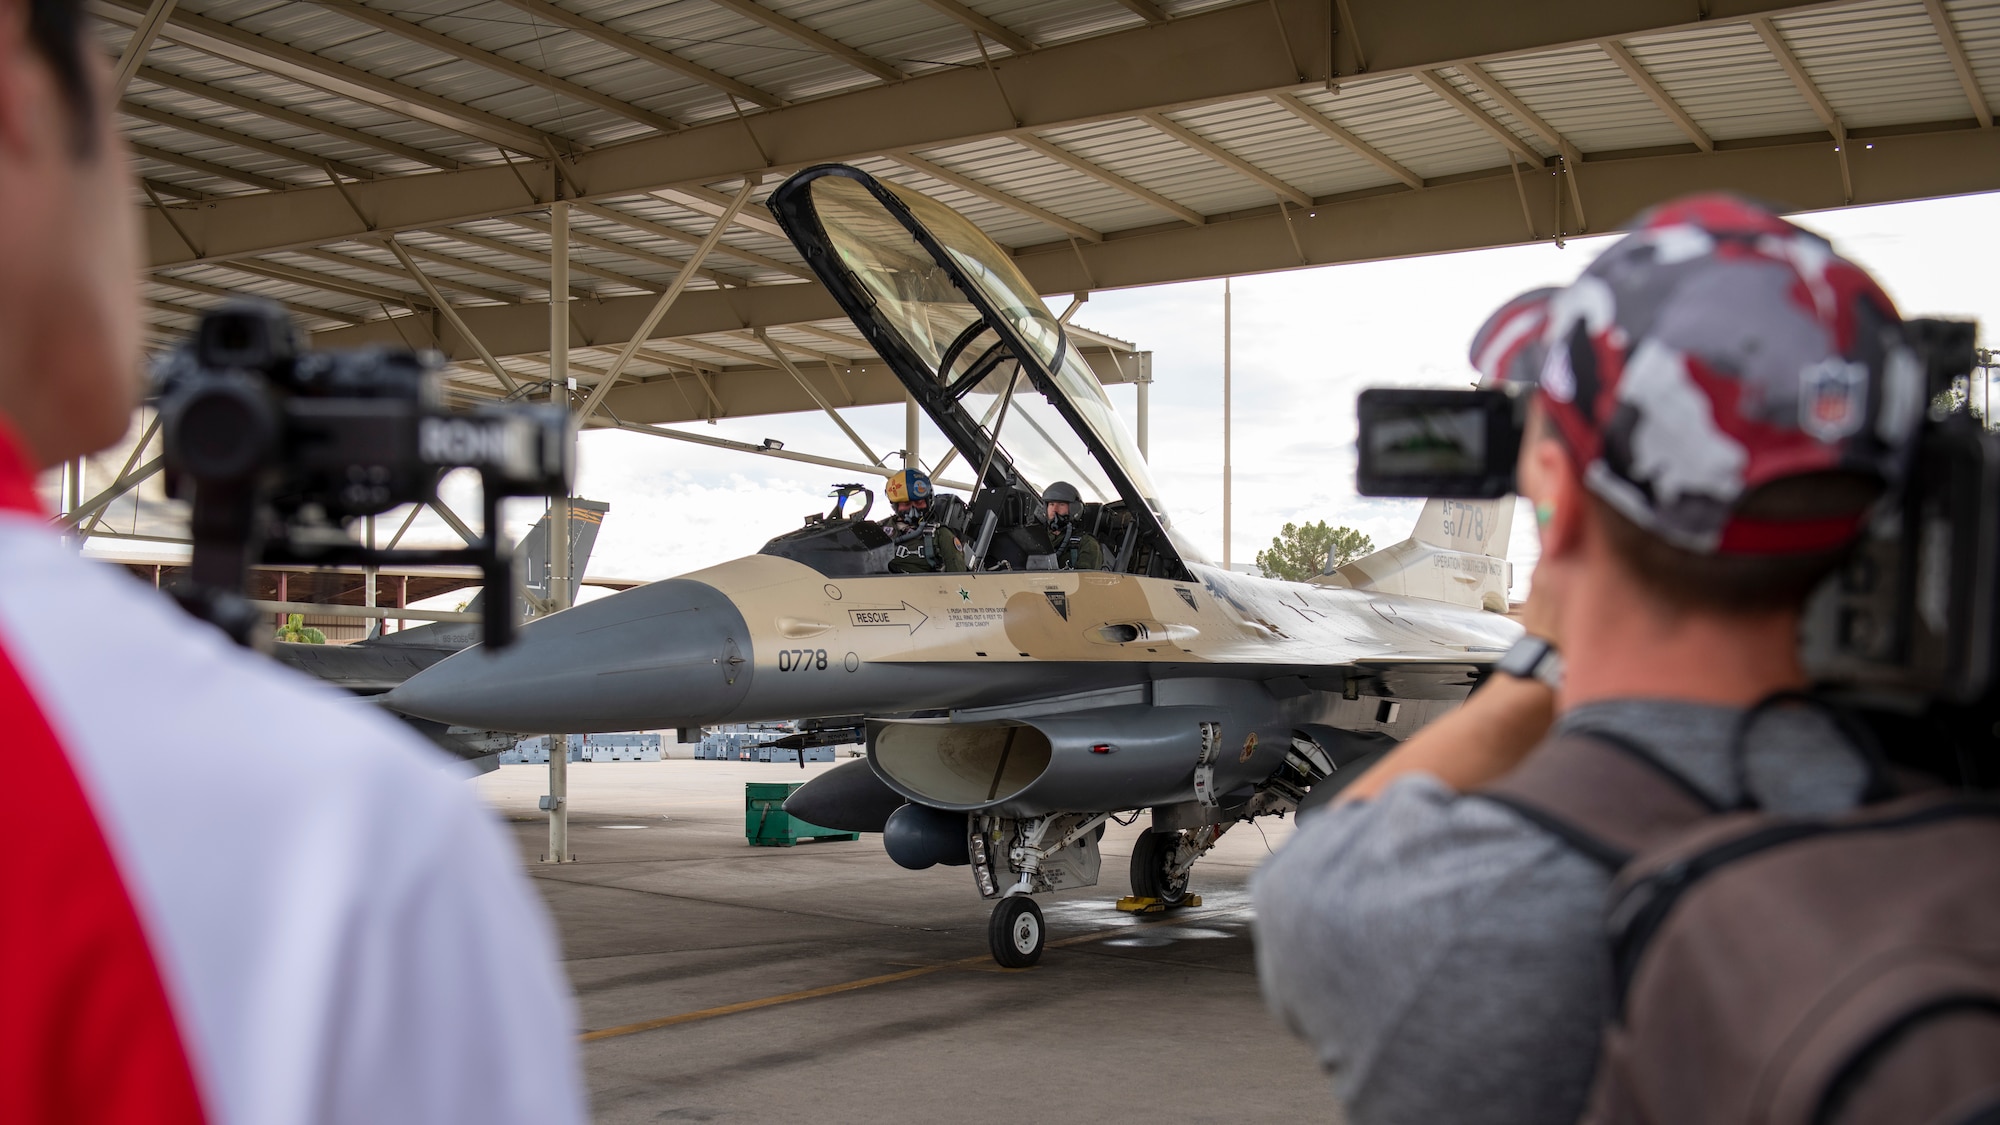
{"x": 879, "y": 618}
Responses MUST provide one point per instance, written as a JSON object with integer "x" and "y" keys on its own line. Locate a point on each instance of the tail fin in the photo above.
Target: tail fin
{"x": 1479, "y": 527}
{"x": 585, "y": 517}
{"x": 1457, "y": 554}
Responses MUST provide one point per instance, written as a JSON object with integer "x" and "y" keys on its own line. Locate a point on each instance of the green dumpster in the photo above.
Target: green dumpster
{"x": 766, "y": 824}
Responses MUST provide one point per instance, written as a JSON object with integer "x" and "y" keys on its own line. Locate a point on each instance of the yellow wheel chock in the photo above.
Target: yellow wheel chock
{"x": 1134, "y": 904}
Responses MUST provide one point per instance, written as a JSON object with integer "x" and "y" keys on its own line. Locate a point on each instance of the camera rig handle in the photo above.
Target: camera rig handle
{"x": 230, "y": 536}
{"x": 490, "y": 554}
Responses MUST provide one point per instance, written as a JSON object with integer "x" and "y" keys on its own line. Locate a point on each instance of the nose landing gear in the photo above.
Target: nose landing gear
{"x": 1016, "y": 933}
{"x": 1044, "y": 853}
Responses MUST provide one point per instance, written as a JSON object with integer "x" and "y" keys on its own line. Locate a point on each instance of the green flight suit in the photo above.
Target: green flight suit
{"x": 1079, "y": 551}
{"x": 933, "y": 548}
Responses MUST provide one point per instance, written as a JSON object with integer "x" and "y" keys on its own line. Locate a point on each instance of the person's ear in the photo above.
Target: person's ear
{"x": 1550, "y": 481}
{"x": 1562, "y": 532}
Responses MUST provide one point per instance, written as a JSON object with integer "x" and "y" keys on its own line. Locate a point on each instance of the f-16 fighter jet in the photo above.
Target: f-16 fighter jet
{"x": 1012, "y": 708}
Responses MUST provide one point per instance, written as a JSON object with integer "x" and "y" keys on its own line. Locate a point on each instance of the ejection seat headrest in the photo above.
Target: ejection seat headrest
{"x": 948, "y": 510}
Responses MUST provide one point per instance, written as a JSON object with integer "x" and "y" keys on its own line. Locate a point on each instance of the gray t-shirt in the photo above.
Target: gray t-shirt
{"x": 1445, "y": 958}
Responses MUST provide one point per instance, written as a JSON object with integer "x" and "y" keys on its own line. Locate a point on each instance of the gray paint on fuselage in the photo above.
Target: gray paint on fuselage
{"x": 652, "y": 657}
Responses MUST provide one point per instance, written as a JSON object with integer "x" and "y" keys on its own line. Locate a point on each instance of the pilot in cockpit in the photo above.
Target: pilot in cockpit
{"x": 924, "y": 542}
{"x": 1075, "y": 548}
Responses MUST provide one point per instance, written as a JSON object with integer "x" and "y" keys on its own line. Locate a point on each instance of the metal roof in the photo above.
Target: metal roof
{"x": 299, "y": 150}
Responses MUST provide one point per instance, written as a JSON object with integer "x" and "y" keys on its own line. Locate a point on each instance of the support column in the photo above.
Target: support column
{"x": 1225, "y": 425}
{"x": 73, "y": 494}
{"x": 911, "y": 433}
{"x": 368, "y": 575}
{"x": 559, "y": 512}
{"x": 1144, "y": 389}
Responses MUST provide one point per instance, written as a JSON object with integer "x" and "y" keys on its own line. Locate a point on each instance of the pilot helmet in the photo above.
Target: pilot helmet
{"x": 909, "y": 486}
{"x": 1066, "y": 493}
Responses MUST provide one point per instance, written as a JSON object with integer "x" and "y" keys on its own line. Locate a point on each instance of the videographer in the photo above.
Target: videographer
{"x": 1722, "y": 400}
{"x": 240, "y": 899}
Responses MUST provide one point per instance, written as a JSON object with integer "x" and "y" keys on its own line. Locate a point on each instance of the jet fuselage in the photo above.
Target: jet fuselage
{"x": 768, "y": 638}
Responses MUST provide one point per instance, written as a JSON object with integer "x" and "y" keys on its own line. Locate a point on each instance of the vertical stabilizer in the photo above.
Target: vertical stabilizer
{"x": 1457, "y": 554}
{"x": 1478, "y": 527}
{"x": 532, "y": 553}
{"x": 585, "y": 517}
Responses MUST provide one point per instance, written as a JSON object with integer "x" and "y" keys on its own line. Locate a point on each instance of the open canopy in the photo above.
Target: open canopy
{"x": 974, "y": 344}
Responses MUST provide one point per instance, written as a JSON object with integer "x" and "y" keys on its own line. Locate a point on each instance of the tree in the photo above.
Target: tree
{"x": 1299, "y": 552}
{"x": 1952, "y": 399}
{"x": 297, "y": 632}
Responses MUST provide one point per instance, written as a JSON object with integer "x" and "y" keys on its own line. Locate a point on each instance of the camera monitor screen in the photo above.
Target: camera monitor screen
{"x": 1437, "y": 443}
{"x": 1430, "y": 441}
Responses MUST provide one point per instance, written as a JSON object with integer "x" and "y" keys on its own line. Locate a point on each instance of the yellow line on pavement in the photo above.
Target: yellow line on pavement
{"x": 766, "y": 1002}
{"x": 847, "y": 986}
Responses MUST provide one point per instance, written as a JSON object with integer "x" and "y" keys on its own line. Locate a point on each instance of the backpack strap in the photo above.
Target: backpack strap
{"x": 1605, "y": 796}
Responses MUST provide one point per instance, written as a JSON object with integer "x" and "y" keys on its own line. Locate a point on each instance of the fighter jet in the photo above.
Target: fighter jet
{"x": 1012, "y": 710}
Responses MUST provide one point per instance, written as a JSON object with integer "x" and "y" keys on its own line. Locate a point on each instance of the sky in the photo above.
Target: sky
{"x": 1305, "y": 342}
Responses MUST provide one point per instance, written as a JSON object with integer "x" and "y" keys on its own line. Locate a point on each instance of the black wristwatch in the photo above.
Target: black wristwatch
{"x": 1533, "y": 658}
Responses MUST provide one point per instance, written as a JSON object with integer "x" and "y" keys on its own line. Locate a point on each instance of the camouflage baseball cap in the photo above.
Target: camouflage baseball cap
{"x": 1509, "y": 348}
{"x": 1715, "y": 350}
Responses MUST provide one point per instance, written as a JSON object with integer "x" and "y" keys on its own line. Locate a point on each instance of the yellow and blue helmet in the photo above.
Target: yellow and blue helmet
{"x": 908, "y": 485}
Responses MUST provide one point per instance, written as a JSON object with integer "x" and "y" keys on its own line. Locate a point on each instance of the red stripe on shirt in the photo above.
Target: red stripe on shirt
{"x": 86, "y": 1033}
{"x": 17, "y": 477}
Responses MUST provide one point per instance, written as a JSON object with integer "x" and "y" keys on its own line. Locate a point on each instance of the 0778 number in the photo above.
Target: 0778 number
{"x": 801, "y": 659}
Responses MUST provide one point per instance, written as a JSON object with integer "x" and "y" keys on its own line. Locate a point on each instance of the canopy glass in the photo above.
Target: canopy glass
{"x": 920, "y": 300}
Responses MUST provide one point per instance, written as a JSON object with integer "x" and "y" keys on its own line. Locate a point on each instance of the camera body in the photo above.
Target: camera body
{"x": 280, "y": 449}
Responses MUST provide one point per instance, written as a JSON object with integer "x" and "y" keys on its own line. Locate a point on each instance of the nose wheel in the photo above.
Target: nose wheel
{"x": 1016, "y": 932}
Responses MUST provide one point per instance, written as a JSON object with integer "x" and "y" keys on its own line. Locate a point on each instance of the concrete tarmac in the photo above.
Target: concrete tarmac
{"x": 690, "y": 949}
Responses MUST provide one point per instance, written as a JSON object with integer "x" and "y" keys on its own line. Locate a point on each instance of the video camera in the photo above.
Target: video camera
{"x": 280, "y": 449}
{"x": 1910, "y": 617}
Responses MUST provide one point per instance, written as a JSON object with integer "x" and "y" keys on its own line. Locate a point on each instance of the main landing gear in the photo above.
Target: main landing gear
{"x": 1153, "y": 873}
{"x": 1016, "y": 933}
{"x": 1163, "y": 861}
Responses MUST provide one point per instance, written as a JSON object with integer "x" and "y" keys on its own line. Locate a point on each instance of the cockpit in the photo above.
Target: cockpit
{"x": 991, "y": 366}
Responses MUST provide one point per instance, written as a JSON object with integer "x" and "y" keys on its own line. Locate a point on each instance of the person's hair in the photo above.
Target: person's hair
{"x": 56, "y": 29}
{"x": 1742, "y": 584}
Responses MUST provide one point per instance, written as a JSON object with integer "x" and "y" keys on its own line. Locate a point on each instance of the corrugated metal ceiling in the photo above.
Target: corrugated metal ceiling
{"x": 212, "y": 125}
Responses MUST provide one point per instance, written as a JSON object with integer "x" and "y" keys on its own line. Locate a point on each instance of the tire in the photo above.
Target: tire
{"x": 1149, "y": 868}
{"x": 1016, "y": 932}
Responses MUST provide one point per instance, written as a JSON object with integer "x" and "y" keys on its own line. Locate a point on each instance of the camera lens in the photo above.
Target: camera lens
{"x": 221, "y": 432}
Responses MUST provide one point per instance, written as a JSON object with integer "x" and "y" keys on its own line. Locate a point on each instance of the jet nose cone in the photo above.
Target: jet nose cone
{"x": 668, "y": 654}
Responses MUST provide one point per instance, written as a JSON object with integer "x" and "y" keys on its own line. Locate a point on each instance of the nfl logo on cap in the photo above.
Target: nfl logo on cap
{"x": 1832, "y": 398}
